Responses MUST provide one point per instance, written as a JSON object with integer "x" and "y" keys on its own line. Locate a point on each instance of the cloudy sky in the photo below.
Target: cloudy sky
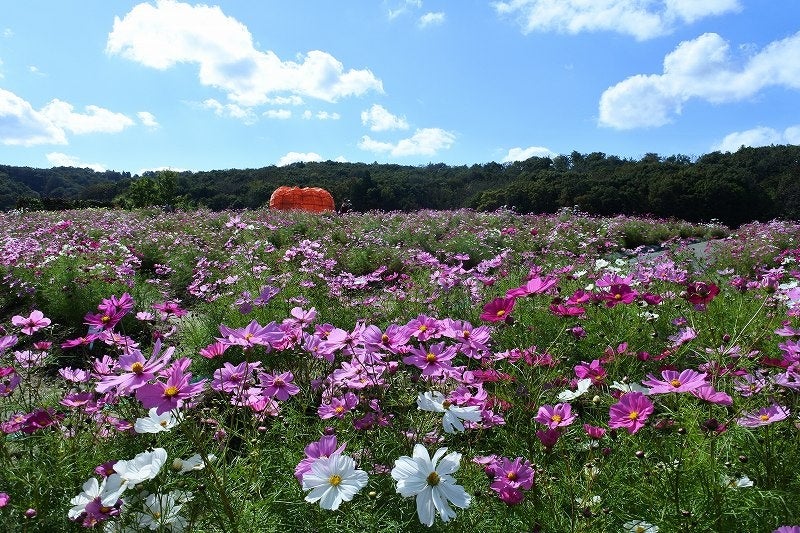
{"x": 131, "y": 86}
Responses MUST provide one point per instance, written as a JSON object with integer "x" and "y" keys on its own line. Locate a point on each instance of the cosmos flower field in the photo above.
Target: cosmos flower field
{"x": 453, "y": 371}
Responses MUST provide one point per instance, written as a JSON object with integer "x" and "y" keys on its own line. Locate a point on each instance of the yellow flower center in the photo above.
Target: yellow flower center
{"x": 465, "y": 334}
{"x": 335, "y": 480}
{"x": 433, "y": 479}
{"x": 556, "y": 418}
{"x": 431, "y": 357}
{"x": 501, "y": 312}
{"x": 278, "y": 382}
{"x": 675, "y": 383}
{"x": 338, "y": 409}
{"x": 634, "y": 415}
{"x": 764, "y": 418}
{"x": 511, "y": 476}
{"x": 617, "y": 296}
{"x": 384, "y": 338}
{"x": 171, "y": 391}
{"x": 137, "y": 367}
{"x": 106, "y": 319}
{"x": 423, "y": 327}
{"x": 163, "y": 423}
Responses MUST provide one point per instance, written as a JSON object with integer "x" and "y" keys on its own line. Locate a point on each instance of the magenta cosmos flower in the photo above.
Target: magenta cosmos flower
{"x": 498, "y": 309}
{"x": 553, "y": 416}
{"x": 324, "y": 447}
{"x": 172, "y": 394}
{"x": 764, "y": 416}
{"x": 135, "y": 370}
{"x": 673, "y": 381}
{"x": 630, "y": 412}
{"x": 510, "y": 476}
{"x": 32, "y": 323}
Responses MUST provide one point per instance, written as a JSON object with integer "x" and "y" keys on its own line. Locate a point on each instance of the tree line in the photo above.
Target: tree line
{"x": 750, "y": 184}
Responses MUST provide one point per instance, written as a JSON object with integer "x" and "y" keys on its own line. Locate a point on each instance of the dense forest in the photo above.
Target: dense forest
{"x": 751, "y": 184}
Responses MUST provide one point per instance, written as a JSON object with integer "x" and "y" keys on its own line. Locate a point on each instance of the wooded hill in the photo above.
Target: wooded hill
{"x": 750, "y": 184}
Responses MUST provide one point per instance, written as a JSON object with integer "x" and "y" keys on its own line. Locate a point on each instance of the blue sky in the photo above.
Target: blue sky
{"x": 133, "y": 86}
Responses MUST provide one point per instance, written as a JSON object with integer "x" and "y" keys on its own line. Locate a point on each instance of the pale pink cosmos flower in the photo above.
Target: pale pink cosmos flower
{"x": 32, "y": 323}
{"x": 278, "y": 385}
{"x": 764, "y": 416}
{"x": 553, "y": 416}
{"x": 172, "y": 394}
{"x": 685, "y": 381}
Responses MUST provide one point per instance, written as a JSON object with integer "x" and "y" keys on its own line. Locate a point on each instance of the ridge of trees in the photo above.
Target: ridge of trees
{"x": 750, "y": 184}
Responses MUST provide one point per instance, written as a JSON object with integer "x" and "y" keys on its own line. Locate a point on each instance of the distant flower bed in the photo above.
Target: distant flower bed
{"x": 264, "y": 371}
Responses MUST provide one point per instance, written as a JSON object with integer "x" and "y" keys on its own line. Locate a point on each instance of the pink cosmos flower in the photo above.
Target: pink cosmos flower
{"x": 553, "y": 416}
{"x": 424, "y": 328}
{"x": 535, "y": 285}
{"x": 32, "y": 323}
{"x": 593, "y": 371}
{"x": 685, "y": 381}
{"x": 4, "y": 499}
{"x": 6, "y": 342}
{"x": 173, "y": 393}
{"x": 594, "y": 432}
{"x": 708, "y": 393}
{"x": 214, "y": 350}
{"x": 392, "y": 340}
{"x": 136, "y": 370}
{"x": 630, "y": 412}
{"x": 232, "y": 378}
{"x": 434, "y": 361}
{"x": 548, "y": 437}
{"x": 510, "y": 476}
{"x": 168, "y": 309}
{"x": 278, "y": 386}
{"x": 498, "y": 310}
{"x": 338, "y": 407}
{"x": 764, "y": 416}
{"x": 251, "y": 335}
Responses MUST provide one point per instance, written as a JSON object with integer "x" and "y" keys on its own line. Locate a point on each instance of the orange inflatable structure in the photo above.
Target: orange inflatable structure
{"x": 312, "y": 199}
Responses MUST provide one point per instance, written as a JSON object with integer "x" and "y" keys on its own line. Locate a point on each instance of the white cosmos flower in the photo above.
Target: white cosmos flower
{"x": 156, "y": 423}
{"x": 144, "y": 466}
{"x": 453, "y": 415}
{"x": 108, "y": 493}
{"x": 639, "y": 526}
{"x": 161, "y": 511}
{"x": 431, "y": 482}
{"x": 194, "y": 462}
{"x": 568, "y": 395}
{"x": 333, "y": 480}
{"x": 733, "y": 483}
{"x": 630, "y": 387}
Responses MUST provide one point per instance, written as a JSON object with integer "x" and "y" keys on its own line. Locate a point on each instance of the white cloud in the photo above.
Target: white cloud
{"x": 284, "y": 100}
{"x": 521, "y": 154}
{"x": 325, "y": 115}
{"x": 57, "y": 159}
{"x": 297, "y": 157}
{"x": 280, "y": 114}
{"x": 21, "y": 125}
{"x": 426, "y": 141}
{"x": 701, "y": 68}
{"x": 642, "y": 19}
{"x": 170, "y": 32}
{"x": 95, "y": 120}
{"x": 760, "y": 136}
{"x": 230, "y": 111}
{"x": 148, "y": 119}
{"x": 431, "y": 19}
{"x": 377, "y": 118}
{"x": 403, "y": 6}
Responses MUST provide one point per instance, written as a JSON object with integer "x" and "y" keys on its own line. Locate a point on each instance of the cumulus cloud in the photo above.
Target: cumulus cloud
{"x": 238, "y": 112}
{"x": 298, "y": 157}
{"x": 700, "y": 68}
{"x": 426, "y": 141}
{"x": 280, "y": 114}
{"x": 21, "y": 125}
{"x": 147, "y": 119}
{"x": 377, "y": 118}
{"x": 521, "y": 154}
{"x": 94, "y": 120}
{"x": 57, "y": 159}
{"x": 759, "y": 136}
{"x": 170, "y": 32}
{"x": 642, "y": 19}
{"x": 431, "y": 19}
{"x": 403, "y": 6}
